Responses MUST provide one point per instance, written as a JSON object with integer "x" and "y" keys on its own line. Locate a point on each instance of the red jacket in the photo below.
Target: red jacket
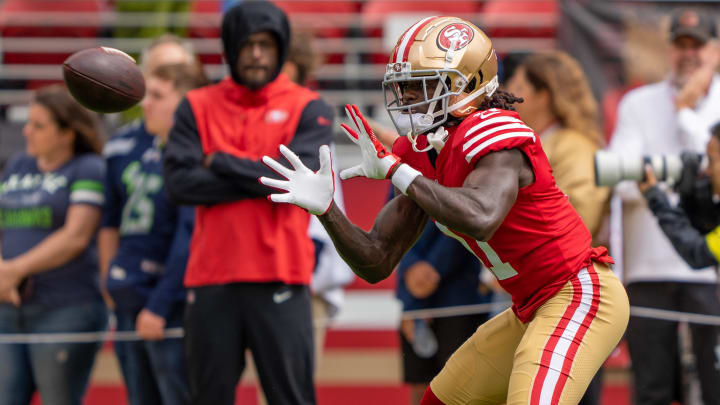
{"x": 239, "y": 235}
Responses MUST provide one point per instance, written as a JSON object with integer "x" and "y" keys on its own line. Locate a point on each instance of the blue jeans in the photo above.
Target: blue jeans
{"x": 154, "y": 371}
{"x": 60, "y": 372}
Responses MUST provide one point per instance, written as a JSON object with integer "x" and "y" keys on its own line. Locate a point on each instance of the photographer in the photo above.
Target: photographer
{"x": 692, "y": 226}
{"x": 662, "y": 118}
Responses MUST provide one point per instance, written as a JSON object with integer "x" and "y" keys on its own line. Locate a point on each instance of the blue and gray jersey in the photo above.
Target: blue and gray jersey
{"x": 33, "y": 205}
{"x": 150, "y": 263}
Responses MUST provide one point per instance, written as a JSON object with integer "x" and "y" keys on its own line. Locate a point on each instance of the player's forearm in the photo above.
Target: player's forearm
{"x": 57, "y": 249}
{"x": 461, "y": 209}
{"x": 365, "y": 255}
{"x": 373, "y": 255}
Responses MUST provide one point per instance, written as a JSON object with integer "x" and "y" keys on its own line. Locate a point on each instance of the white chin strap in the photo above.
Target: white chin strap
{"x": 431, "y": 107}
{"x": 487, "y": 90}
{"x": 413, "y": 142}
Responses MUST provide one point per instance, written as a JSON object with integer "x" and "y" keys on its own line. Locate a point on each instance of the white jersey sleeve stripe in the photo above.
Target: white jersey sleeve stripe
{"x": 470, "y": 142}
{"x": 87, "y": 196}
{"x": 489, "y": 142}
{"x": 491, "y": 121}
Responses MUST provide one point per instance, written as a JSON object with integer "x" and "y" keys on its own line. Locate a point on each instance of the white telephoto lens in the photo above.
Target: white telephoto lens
{"x": 632, "y": 167}
{"x": 608, "y": 169}
{"x": 674, "y": 166}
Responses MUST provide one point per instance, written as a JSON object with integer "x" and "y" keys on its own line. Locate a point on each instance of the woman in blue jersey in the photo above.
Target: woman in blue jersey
{"x": 50, "y": 201}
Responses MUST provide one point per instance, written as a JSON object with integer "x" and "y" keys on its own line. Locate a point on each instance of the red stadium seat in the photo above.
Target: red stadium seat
{"x": 202, "y": 11}
{"x": 11, "y": 10}
{"x": 376, "y": 12}
{"x": 317, "y": 9}
{"x": 205, "y": 24}
{"x": 518, "y": 18}
{"x": 203, "y": 20}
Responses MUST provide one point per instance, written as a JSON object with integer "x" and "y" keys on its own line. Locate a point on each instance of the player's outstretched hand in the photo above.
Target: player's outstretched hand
{"x": 305, "y": 188}
{"x": 377, "y": 162}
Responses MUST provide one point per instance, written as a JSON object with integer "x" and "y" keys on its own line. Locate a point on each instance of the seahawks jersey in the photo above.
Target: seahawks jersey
{"x": 542, "y": 242}
{"x": 33, "y": 205}
{"x": 139, "y": 207}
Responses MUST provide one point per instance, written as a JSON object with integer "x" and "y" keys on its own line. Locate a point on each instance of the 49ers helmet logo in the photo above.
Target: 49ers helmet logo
{"x": 461, "y": 33}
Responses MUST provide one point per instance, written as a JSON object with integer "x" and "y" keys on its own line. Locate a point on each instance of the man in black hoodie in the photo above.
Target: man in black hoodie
{"x": 250, "y": 260}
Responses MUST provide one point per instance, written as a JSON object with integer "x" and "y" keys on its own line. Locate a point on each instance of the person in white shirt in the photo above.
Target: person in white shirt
{"x": 666, "y": 118}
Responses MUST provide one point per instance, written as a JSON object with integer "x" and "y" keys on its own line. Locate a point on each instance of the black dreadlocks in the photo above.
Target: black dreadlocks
{"x": 500, "y": 99}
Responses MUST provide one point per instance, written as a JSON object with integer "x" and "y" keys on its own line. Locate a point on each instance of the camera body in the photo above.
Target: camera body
{"x": 611, "y": 168}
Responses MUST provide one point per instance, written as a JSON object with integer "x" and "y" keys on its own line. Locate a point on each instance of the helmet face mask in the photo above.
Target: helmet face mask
{"x": 430, "y": 110}
{"x": 451, "y": 67}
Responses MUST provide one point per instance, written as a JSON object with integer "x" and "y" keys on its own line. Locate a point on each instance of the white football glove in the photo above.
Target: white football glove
{"x": 305, "y": 188}
{"x": 377, "y": 162}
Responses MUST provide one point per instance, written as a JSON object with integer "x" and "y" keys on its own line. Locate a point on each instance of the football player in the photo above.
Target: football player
{"x": 470, "y": 164}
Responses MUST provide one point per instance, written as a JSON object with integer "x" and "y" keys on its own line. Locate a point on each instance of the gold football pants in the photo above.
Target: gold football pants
{"x": 549, "y": 360}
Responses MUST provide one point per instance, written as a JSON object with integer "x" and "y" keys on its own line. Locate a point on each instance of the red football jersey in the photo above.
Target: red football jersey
{"x": 542, "y": 242}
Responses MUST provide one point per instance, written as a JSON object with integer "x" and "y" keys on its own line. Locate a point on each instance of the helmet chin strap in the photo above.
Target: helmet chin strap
{"x": 413, "y": 143}
{"x": 435, "y": 140}
{"x": 438, "y": 138}
{"x": 431, "y": 107}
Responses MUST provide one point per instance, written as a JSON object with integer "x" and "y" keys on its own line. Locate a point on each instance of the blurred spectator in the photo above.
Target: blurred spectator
{"x": 437, "y": 272}
{"x": 144, "y": 238}
{"x": 144, "y": 244}
{"x": 508, "y": 65}
{"x": 692, "y": 226}
{"x": 168, "y": 49}
{"x": 50, "y": 205}
{"x": 559, "y": 106}
{"x": 255, "y": 293}
{"x": 164, "y": 50}
{"x": 303, "y": 58}
{"x": 331, "y": 273}
{"x": 668, "y": 117}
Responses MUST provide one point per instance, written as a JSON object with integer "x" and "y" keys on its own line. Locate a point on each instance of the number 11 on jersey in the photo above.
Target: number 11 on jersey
{"x": 501, "y": 270}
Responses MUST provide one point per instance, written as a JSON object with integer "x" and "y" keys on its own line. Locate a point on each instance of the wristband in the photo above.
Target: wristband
{"x": 404, "y": 175}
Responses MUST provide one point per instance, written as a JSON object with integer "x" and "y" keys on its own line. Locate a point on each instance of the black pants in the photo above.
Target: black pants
{"x": 653, "y": 343}
{"x": 451, "y": 333}
{"x": 273, "y": 320}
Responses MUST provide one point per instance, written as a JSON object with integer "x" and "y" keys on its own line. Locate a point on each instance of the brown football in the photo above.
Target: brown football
{"x": 104, "y": 79}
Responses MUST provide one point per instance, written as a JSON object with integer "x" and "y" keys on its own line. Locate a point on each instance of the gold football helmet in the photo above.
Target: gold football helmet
{"x": 452, "y": 61}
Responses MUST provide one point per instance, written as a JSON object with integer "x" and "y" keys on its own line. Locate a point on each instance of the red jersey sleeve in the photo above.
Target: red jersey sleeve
{"x": 490, "y": 131}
